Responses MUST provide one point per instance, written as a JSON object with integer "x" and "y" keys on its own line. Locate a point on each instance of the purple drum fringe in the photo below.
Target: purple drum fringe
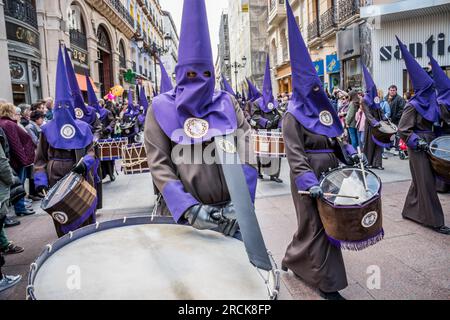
{"x": 381, "y": 144}
{"x": 357, "y": 245}
{"x": 77, "y": 223}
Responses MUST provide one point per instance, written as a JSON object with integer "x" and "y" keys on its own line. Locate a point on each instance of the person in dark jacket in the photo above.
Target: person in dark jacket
{"x": 397, "y": 103}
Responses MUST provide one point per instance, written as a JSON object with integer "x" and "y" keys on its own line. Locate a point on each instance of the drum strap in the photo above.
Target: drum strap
{"x": 228, "y": 157}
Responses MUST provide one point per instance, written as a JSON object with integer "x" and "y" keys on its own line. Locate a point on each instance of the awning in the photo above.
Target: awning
{"x": 81, "y": 79}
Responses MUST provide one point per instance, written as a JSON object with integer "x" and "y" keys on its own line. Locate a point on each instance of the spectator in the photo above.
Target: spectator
{"x": 34, "y": 127}
{"x": 384, "y": 105}
{"x": 343, "y": 104}
{"x": 396, "y": 103}
{"x": 6, "y": 180}
{"x": 25, "y": 112}
{"x": 361, "y": 125}
{"x": 22, "y": 150}
{"x": 350, "y": 119}
{"x": 39, "y": 106}
{"x": 49, "y": 105}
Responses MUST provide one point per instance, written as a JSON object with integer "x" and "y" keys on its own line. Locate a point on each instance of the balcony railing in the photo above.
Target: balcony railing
{"x": 133, "y": 66}
{"x": 328, "y": 20}
{"x": 78, "y": 39}
{"x": 313, "y": 30}
{"x": 22, "y": 10}
{"x": 116, "y": 4}
{"x": 350, "y": 8}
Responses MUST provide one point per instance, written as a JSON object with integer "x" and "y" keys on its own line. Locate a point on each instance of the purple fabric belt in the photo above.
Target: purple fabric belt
{"x": 423, "y": 131}
{"x": 320, "y": 151}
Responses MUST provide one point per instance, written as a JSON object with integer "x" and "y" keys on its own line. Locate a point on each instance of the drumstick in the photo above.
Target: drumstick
{"x": 331, "y": 195}
{"x": 443, "y": 150}
{"x": 362, "y": 169}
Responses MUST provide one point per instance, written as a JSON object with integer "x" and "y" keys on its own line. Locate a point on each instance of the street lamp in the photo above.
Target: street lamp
{"x": 236, "y": 66}
{"x": 157, "y": 51}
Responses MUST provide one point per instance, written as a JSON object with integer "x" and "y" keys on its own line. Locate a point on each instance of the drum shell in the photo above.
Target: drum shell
{"x": 344, "y": 223}
{"x": 110, "y": 149}
{"x": 75, "y": 203}
{"x": 269, "y": 144}
{"x": 134, "y": 159}
{"x": 441, "y": 167}
{"x": 385, "y": 132}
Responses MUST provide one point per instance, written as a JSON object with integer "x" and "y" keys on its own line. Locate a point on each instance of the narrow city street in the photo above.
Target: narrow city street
{"x": 413, "y": 262}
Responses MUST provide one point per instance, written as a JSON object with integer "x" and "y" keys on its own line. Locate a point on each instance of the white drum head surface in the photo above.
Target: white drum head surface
{"x": 150, "y": 262}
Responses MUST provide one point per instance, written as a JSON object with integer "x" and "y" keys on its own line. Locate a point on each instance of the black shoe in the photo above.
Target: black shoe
{"x": 27, "y": 212}
{"x": 112, "y": 177}
{"x": 260, "y": 176}
{"x": 10, "y": 222}
{"x": 378, "y": 168}
{"x": 443, "y": 229}
{"x": 278, "y": 180}
{"x": 331, "y": 295}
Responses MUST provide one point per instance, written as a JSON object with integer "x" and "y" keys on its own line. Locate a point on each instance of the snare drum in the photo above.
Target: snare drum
{"x": 69, "y": 199}
{"x": 140, "y": 259}
{"x": 352, "y": 224}
{"x": 110, "y": 149}
{"x": 440, "y": 157}
{"x": 134, "y": 159}
{"x": 385, "y": 135}
{"x": 269, "y": 143}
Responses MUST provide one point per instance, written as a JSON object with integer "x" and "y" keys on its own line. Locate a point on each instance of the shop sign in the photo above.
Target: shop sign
{"x": 318, "y": 65}
{"x": 22, "y": 34}
{"x": 333, "y": 64}
{"x": 417, "y": 49}
{"x": 79, "y": 56}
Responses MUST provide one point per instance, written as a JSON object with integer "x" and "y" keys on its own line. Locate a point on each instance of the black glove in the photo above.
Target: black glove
{"x": 377, "y": 125}
{"x": 80, "y": 168}
{"x": 422, "y": 145}
{"x": 269, "y": 124}
{"x": 203, "y": 217}
{"x": 357, "y": 160}
{"x": 41, "y": 190}
{"x": 316, "y": 192}
{"x": 276, "y": 118}
{"x": 229, "y": 225}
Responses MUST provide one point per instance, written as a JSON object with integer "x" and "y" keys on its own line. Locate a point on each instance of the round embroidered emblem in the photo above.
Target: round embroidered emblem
{"x": 326, "y": 118}
{"x": 196, "y": 128}
{"x": 60, "y": 217}
{"x": 79, "y": 113}
{"x": 369, "y": 219}
{"x": 226, "y": 146}
{"x": 68, "y": 131}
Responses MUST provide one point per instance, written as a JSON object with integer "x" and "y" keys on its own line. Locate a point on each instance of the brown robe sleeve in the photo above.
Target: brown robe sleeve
{"x": 159, "y": 147}
{"x": 406, "y": 126}
{"x": 301, "y": 170}
{"x": 372, "y": 119}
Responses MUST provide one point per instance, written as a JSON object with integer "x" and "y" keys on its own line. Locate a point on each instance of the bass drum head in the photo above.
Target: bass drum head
{"x": 438, "y": 146}
{"x": 349, "y": 182}
{"x": 150, "y": 262}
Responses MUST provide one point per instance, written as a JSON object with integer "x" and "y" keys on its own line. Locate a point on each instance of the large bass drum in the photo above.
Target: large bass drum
{"x": 440, "y": 157}
{"x": 350, "y": 223}
{"x": 140, "y": 259}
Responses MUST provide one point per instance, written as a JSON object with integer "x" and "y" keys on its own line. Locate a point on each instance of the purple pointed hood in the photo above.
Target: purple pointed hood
{"x": 93, "y": 101}
{"x": 309, "y": 103}
{"x": 424, "y": 99}
{"x": 64, "y": 132}
{"x": 194, "y": 112}
{"x": 371, "y": 98}
{"x": 441, "y": 82}
{"x": 166, "y": 83}
{"x": 227, "y": 87}
{"x": 267, "y": 102}
{"x": 82, "y": 112}
{"x": 253, "y": 92}
{"x": 143, "y": 102}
